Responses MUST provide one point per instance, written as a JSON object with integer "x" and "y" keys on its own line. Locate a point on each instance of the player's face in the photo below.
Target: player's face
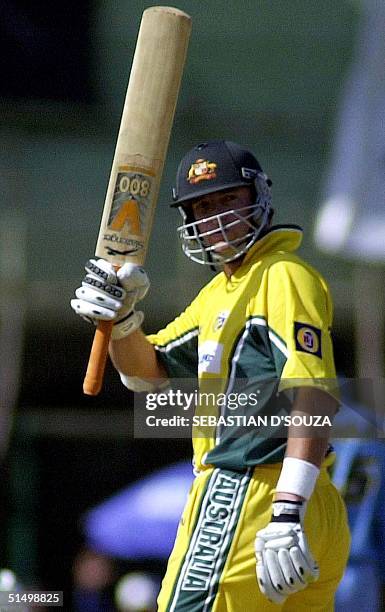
{"x": 206, "y": 209}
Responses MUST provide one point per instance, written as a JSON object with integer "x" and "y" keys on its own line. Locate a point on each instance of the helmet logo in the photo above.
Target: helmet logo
{"x": 201, "y": 170}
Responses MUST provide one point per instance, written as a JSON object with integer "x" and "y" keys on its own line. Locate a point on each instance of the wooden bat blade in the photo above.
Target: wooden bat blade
{"x": 143, "y": 135}
{"x": 140, "y": 151}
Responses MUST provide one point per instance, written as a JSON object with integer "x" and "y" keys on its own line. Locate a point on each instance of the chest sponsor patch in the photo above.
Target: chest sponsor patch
{"x": 210, "y": 356}
{"x": 307, "y": 339}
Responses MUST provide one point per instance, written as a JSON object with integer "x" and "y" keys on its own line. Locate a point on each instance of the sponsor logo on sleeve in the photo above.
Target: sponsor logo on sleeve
{"x": 307, "y": 338}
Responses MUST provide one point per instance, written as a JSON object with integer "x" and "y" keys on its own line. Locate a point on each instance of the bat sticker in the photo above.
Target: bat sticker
{"x": 111, "y": 251}
{"x": 130, "y": 212}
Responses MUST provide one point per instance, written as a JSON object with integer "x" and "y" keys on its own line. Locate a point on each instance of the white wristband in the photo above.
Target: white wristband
{"x": 297, "y": 477}
{"x": 134, "y": 383}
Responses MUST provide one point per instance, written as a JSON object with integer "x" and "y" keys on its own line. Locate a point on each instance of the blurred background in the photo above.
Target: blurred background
{"x": 300, "y": 84}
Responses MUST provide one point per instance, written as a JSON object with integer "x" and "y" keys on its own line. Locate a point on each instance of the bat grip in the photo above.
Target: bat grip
{"x": 97, "y": 362}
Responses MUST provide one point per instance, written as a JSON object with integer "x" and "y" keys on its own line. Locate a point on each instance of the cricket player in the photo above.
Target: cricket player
{"x": 263, "y": 528}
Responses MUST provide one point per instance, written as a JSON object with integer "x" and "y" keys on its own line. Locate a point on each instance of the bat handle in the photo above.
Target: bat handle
{"x": 97, "y": 362}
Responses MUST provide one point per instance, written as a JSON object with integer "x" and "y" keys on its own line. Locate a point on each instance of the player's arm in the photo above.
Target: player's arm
{"x": 299, "y": 301}
{"x": 309, "y": 401}
{"x": 134, "y": 355}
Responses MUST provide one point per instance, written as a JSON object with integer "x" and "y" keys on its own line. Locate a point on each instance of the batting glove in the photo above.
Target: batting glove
{"x": 284, "y": 562}
{"x": 110, "y": 295}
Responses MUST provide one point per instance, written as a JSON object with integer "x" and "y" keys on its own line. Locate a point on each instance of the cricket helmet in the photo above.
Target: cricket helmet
{"x": 214, "y": 166}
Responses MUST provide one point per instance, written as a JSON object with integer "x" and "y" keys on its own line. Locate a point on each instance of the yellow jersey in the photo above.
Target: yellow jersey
{"x": 270, "y": 321}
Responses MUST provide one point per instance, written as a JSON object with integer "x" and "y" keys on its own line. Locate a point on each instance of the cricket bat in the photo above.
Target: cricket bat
{"x": 140, "y": 153}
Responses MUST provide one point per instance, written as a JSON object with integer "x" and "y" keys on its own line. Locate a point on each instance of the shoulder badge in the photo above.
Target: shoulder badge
{"x": 307, "y": 338}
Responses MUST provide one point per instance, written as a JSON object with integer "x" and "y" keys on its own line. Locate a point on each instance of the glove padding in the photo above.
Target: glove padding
{"x": 110, "y": 295}
{"x": 285, "y": 564}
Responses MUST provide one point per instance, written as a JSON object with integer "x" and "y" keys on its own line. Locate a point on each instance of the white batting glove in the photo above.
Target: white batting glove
{"x": 110, "y": 295}
{"x": 285, "y": 564}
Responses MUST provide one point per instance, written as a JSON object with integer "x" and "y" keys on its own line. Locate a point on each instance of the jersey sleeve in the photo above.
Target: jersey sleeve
{"x": 177, "y": 344}
{"x": 300, "y": 315}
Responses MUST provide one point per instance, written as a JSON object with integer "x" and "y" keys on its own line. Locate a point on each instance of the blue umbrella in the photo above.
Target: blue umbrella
{"x": 140, "y": 522}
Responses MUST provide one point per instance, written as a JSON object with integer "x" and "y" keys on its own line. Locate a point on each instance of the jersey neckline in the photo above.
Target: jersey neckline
{"x": 286, "y": 238}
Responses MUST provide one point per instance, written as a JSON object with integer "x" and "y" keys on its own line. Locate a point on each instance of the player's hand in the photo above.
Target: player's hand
{"x": 285, "y": 564}
{"x": 110, "y": 295}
